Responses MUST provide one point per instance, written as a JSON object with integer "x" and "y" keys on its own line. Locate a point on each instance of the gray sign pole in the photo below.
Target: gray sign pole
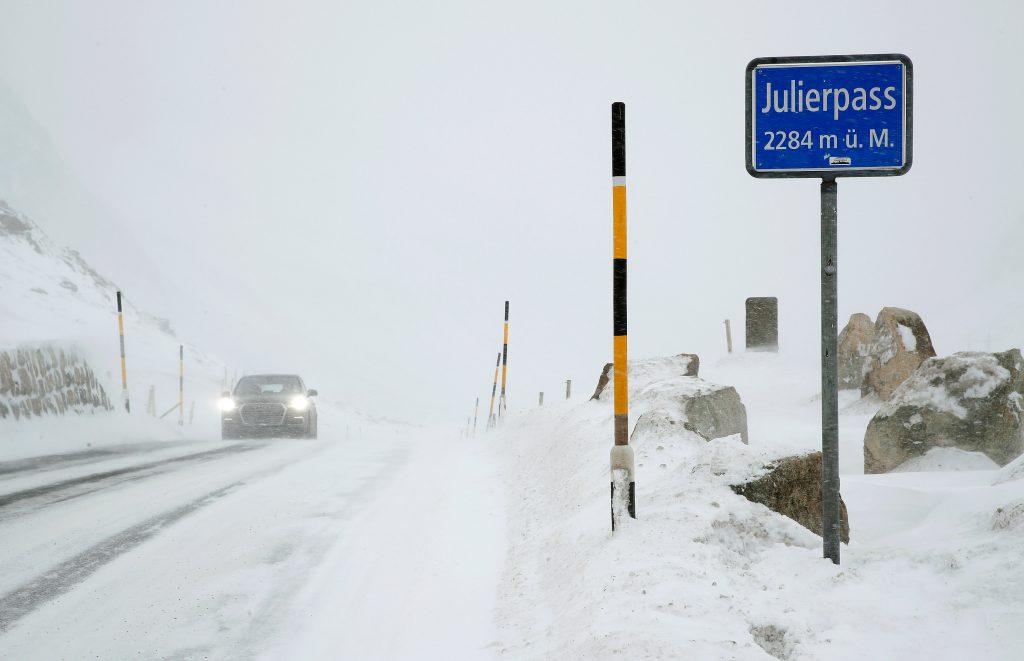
{"x": 829, "y": 383}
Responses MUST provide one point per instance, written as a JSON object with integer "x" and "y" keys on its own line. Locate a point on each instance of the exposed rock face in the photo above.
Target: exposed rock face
{"x": 899, "y": 345}
{"x": 970, "y": 400}
{"x": 47, "y": 381}
{"x": 689, "y": 364}
{"x": 667, "y": 391}
{"x": 792, "y": 487}
{"x": 854, "y": 353}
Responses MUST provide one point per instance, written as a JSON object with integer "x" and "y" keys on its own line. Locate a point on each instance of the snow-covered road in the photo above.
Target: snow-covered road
{"x": 233, "y": 550}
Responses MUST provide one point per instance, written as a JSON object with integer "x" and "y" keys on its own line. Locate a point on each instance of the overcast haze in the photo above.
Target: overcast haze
{"x": 368, "y": 182}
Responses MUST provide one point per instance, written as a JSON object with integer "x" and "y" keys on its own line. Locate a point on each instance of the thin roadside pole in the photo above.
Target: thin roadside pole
{"x": 568, "y": 388}
{"x": 540, "y": 399}
{"x": 124, "y": 368}
{"x": 502, "y": 404}
{"x": 623, "y": 475}
{"x": 181, "y": 384}
{"x": 476, "y": 412}
{"x": 830, "y": 509}
{"x": 494, "y": 390}
{"x": 728, "y": 335}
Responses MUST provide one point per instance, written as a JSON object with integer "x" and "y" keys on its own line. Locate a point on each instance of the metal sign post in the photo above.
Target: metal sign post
{"x": 829, "y": 116}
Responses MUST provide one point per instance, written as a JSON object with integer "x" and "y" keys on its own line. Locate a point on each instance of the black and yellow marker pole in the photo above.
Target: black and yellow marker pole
{"x": 502, "y": 406}
{"x": 181, "y": 384}
{"x": 494, "y": 391}
{"x": 124, "y": 368}
{"x": 623, "y": 474}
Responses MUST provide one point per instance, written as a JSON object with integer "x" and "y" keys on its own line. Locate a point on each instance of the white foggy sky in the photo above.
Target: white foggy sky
{"x": 357, "y": 187}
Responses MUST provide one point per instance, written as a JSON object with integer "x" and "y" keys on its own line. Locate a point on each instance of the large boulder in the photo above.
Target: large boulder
{"x": 970, "y": 400}
{"x": 671, "y": 385}
{"x": 854, "y": 351}
{"x": 899, "y": 345}
{"x": 792, "y": 487}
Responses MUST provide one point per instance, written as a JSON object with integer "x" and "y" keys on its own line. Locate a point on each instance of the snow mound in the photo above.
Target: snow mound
{"x": 1012, "y": 471}
{"x": 947, "y": 459}
{"x": 654, "y": 380}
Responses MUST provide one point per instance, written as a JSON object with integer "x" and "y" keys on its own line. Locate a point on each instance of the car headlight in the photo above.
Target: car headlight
{"x": 226, "y": 404}
{"x": 300, "y": 403}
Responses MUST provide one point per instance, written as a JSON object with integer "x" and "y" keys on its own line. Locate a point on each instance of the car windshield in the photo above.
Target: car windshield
{"x": 268, "y": 385}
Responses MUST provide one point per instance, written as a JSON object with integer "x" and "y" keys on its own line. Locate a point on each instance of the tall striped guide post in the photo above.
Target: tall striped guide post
{"x": 181, "y": 384}
{"x": 502, "y": 406}
{"x": 124, "y": 369}
{"x": 623, "y": 473}
{"x": 494, "y": 390}
{"x": 476, "y": 412}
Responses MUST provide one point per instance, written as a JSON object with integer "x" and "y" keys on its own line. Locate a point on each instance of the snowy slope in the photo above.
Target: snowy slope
{"x": 50, "y": 295}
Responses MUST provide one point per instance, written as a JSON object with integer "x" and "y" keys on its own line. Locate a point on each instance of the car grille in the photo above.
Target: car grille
{"x": 262, "y": 414}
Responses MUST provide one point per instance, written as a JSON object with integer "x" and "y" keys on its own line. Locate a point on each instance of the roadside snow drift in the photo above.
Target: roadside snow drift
{"x": 704, "y": 573}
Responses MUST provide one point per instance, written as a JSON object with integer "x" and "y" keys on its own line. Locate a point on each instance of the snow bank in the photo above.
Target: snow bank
{"x": 705, "y": 573}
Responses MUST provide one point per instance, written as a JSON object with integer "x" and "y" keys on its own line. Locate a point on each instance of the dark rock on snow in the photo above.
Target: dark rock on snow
{"x": 792, "y": 487}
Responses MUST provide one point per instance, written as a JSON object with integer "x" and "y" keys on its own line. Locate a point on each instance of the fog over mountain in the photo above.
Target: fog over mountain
{"x": 360, "y": 187}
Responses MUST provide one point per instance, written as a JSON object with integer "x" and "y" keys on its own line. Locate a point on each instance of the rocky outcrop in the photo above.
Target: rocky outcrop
{"x": 671, "y": 388}
{"x": 854, "y": 351}
{"x": 47, "y": 381}
{"x": 900, "y": 343}
{"x": 970, "y": 400}
{"x": 792, "y": 487}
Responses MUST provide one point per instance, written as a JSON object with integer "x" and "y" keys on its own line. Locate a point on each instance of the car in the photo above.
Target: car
{"x": 268, "y": 406}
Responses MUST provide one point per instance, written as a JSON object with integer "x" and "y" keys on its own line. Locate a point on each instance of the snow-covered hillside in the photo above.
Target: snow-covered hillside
{"x": 50, "y": 295}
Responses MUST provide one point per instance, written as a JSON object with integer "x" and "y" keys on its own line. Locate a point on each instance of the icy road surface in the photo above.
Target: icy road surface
{"x": 245, "y": 549}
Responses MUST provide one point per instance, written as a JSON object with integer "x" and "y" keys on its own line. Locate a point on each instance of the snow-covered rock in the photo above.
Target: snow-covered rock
{"x": 899, "y": 345}
{"x": 792, "y": 487}
{"x": 687, "y": 363}
{"x": 669, "y": 389}
{"x": 970, "y": 400}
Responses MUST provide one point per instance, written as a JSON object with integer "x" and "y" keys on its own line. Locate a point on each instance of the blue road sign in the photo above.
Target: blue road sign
{"x": 848, "y": 115}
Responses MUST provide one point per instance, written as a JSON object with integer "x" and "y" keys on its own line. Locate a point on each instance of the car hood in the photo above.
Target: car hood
{"x": 264, "y": 399}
